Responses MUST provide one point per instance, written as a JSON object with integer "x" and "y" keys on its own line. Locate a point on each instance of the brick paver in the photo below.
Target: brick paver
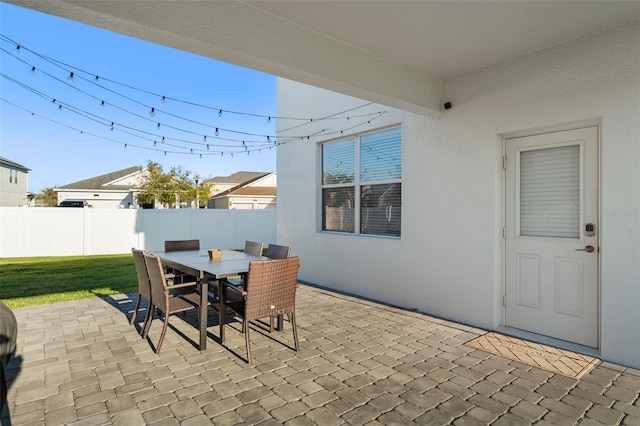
{"x": 360, "y": 363}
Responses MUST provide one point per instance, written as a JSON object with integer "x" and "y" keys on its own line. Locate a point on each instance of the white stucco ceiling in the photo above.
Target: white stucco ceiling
{"x": 393, "y": 52}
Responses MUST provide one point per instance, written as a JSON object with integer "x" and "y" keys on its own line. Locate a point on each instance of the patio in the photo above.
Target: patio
{"x": 360, "y": 363}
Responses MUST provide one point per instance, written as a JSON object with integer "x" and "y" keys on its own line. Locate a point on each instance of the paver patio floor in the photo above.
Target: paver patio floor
{"x": 81, "y": 363}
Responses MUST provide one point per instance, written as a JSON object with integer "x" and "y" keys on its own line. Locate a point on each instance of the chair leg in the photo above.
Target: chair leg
{"x": 135, "y": 310}
{"x": 295, "y": 330}
{"x": 164, "y": 331}
{"x": 147, "y": 318}
{"x": 152, "y": 314}
{"x": 246, "y": 339}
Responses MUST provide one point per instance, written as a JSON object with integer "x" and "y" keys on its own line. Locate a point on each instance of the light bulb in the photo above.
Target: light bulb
{"x": 163, "y": 100}
{"x": 33, "y": 70}
{"x": 207, "y": 147}
{"x": 204, "y": 139}
{"x": 152, "y": 112}
{"x": 217, "y": 132}
{"x": 219, "y": 112}
{"x": 102, "y": 104}
{"x": 70, "y": 78}
{"x": 17, "y": 49}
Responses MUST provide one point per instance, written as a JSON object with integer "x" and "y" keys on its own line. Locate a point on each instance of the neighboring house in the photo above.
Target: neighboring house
{"x": 243, "y": 190}
{"x": 14, "y": 184}
{"x": 111, "y": 190}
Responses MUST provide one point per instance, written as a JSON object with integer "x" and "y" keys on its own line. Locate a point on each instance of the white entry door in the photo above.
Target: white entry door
{"x": 551, "y": 234}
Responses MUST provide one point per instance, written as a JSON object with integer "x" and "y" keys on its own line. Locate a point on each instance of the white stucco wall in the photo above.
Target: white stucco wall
{"x": 448, "y": 262}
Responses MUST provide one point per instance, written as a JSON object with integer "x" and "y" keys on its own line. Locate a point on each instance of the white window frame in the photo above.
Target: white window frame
{"x": 357, "y": 184}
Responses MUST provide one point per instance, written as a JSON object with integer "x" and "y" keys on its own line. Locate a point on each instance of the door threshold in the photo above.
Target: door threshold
{"x": 549, "y": 341}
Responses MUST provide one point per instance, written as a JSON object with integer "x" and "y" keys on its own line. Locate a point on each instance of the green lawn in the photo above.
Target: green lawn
{"x": 32, "y": 281}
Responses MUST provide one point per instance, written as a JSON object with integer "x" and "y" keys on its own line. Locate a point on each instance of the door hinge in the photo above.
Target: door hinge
{"x": 504, "y": 232}
{"x": 504, "y": 300}
{"x": 504, "y": 162}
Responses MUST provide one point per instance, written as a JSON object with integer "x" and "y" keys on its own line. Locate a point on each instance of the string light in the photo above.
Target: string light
{"x": 33, "y": 70}
{"x": 152, "y": 112}
{"x": 256, "y": 145}
{"x": 70, "y": 78}
{"x": 17, "y": 49}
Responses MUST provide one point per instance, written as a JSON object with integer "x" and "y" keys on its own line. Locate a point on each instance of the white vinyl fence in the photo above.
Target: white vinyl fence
{"x": 53, "y": 231}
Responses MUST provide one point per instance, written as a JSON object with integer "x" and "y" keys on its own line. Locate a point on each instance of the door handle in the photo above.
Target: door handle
{"x": 588, "y": 249}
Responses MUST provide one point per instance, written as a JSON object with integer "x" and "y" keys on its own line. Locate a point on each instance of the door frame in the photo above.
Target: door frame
{"x": 501, "y": 308}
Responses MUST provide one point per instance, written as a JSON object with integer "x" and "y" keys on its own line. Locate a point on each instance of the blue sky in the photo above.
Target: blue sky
{"x": 70, "y": 139}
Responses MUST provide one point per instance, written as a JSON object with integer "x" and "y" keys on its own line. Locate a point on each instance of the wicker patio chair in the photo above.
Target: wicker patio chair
{"x": 269, "y": 291}
{"x": 252, "y": 248}
{"x": 167, "y": 298}
{"x": 144, "y": 288}
{"x": 180, "y": 245}
{"x": 275, "y": 251}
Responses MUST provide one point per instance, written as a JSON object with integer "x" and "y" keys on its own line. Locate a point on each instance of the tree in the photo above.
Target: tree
{"x": 165, "y": 188}
{"x": 48, "y": 197}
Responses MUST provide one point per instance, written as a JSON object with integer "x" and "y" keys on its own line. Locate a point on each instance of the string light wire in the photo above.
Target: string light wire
{"x": 73, "y": 74}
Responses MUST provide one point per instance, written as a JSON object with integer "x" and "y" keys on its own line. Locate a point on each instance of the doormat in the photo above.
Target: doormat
{"x": 547, "y": 358}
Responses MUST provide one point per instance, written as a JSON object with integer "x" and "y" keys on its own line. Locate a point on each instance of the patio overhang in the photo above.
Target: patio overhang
{"x": 245, "y": 35}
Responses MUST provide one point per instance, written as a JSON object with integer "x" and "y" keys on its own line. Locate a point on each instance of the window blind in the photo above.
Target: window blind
{"x": 380, "y": 155}
{"x": 550, "y": 192}
{"x": 338, "y": 162}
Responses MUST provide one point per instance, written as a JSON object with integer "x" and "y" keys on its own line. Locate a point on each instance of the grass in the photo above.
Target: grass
{"x": 33, "y": 281}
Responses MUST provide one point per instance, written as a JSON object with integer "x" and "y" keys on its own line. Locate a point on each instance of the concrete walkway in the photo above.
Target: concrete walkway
{"x": 81, "y": 363}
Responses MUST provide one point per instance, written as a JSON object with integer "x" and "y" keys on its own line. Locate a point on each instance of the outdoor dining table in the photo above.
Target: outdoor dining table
{"x": 197, "y": 263}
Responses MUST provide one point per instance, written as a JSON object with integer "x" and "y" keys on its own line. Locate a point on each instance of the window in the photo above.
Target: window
{"x": 361, "y": 184}
{"x": 13, "y": 176}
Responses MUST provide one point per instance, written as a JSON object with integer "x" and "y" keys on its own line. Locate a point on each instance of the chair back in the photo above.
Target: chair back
{"x": 275, "y": 251}
{"x": 271, "y": 287}
{"x": 141, "y": 272}
{"x": 253, "y": 248}
{"x": 156, "y": 281}
{"x": 180, "y": 245}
